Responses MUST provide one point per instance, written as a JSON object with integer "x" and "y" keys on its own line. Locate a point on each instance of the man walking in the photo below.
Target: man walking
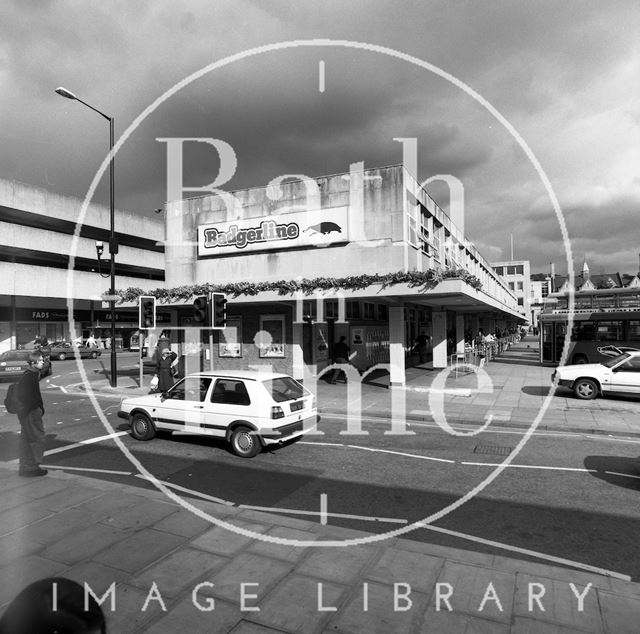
{"x": 30, "y": 416}
{"x": 340, "y": 355}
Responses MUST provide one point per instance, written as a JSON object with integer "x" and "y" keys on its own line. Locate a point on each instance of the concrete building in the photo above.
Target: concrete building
{"x": 517, "y": 275}
{"x": 366, "y": 254}
{"x": 45, "y": 257}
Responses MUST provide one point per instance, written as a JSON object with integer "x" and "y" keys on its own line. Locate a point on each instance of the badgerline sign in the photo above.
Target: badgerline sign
{"x": 284, "y": 231}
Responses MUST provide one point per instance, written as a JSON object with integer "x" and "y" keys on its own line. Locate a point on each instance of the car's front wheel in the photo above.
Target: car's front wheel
{"x": 94, "y": 355}
{"x": 585, "y": 389}
{"x": 62, "y": 356}
{"x": 244, "y": 442}
{"x": 141, "y": 427}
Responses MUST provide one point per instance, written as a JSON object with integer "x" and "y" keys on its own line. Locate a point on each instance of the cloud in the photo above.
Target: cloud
{"x": 561, "y": 73}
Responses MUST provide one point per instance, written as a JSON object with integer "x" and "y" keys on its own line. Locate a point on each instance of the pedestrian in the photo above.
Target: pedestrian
{"x": 163, "y": 369}
{"x": 30, "y": 417}
{"x": 91, "y": 341}
{"x": 420, "y": 346}
{"x": 340, "y": 355}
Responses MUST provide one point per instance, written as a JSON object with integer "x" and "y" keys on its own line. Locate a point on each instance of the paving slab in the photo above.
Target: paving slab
{"x": 378, "y": 608}
{"x": 557, "y": 603}
{"x": 309, "y": 604}
{"x": 139, "y": 550}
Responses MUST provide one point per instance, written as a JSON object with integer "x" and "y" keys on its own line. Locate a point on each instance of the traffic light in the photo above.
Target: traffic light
{"x": 146, "y": 312}
{"x": 218, "y": 311}
{"x": 201, "y": 311}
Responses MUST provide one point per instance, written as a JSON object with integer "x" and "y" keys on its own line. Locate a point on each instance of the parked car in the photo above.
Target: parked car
{"x": 249, "y": 409}
{"x": 620, "y": 374}
{"x": 14, "y": 362}
{"x": 64, "y": 350}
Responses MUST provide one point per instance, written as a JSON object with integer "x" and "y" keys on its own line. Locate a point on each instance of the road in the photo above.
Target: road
{"x": 566, "y": 496}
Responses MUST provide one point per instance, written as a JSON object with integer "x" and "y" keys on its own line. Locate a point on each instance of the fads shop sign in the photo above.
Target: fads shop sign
{"x": 277, "y": 232}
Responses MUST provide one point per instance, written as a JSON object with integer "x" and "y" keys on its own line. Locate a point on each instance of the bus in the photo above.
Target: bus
{"x": 606, "y": 322}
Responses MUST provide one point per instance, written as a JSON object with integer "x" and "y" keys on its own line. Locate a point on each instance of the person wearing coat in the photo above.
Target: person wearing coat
{"x": 163, "y": 369}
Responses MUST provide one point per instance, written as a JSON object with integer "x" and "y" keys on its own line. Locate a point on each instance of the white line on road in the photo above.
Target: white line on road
{"x": 400, "y": 453}
{"x": 624, "y": 475}
{"x": 177, "y": 487}
{"x": 82, "y": 443}
{"x": 530, "y": 466}
{"x": 364, "y": 518}
{"x": 532, "y": 553}
{"x": 65, "y": 468}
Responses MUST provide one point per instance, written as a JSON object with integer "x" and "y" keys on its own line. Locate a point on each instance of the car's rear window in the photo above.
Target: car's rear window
{"x": 284, "y": 388}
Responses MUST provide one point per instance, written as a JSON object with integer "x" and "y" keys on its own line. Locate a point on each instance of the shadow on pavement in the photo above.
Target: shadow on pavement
{"x": 615, "y": 470}
{"x": 538, "y": 390}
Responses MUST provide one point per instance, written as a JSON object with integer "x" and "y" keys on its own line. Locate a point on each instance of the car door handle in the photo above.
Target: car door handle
{"x": 199, "y": 406}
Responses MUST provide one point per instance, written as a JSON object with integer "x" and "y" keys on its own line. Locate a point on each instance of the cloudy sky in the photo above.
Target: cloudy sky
{"x": 565, "y": 75}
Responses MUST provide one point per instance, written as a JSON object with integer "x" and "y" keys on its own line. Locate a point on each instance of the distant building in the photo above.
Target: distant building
{"x": 38, "y": 249}
{"x": 517, "y": 275}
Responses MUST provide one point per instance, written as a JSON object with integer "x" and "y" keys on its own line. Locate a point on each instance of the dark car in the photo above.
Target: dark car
{"x": 64, "y": 350}
{"x": 13, "y": 363}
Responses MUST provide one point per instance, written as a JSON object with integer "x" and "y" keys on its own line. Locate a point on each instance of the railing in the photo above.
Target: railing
{"x": 486, "y": 350}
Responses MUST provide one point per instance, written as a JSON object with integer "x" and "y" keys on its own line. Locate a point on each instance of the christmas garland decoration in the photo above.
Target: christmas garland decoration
{"x": 424, "y": 280}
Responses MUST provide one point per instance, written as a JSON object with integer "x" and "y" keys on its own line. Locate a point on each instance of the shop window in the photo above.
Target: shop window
{"x": 369, "y": 310}
{"x": 309, "y": 309}
{"x": 271, "y": 340}
{"x": 353, "y": 310}
{"x": 331, "y": 309}
{"x": 383, "y": 312}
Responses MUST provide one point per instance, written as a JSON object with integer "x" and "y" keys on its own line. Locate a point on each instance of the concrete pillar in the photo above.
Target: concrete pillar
{"x": 439, "y": 338}
{"x": 460, "y": 333}
{"x": 396, "y": 346}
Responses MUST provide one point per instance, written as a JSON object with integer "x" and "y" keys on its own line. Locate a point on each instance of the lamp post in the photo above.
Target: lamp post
{"x": 113, "y": 243}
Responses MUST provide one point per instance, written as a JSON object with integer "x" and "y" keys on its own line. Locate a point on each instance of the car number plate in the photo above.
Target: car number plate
{"x": 298, "y": 405}
{"x": 13, "y": 369}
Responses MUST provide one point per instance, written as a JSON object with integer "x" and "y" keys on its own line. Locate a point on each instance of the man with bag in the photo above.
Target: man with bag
{"x": 32, "y": 437}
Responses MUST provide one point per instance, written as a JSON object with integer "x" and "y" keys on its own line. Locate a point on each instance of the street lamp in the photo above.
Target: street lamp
{"x": 113, "y": 243}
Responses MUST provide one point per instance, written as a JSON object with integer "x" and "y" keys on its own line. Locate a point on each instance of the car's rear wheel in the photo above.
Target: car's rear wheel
{"x": 245, "y": 442}
{"x": 585, "y": 389}
{"x": 62, "y": 356}
{"x": 141, "y": 427}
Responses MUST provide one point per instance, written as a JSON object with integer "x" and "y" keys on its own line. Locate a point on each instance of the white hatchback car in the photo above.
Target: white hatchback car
{"x": 248, "y": 409}
{"x": 620, "y": 374}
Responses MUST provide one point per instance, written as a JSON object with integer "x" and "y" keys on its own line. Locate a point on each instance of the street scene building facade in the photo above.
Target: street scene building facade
{"x": 41, "y": 242}
{"x": 367, "y": 255}
{"x": 517, "y": 275}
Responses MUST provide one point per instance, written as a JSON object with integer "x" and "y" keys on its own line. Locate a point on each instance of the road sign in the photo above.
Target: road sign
{"x": 110, "y": 298}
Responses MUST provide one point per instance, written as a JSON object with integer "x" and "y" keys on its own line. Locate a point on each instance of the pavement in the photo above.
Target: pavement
{"x": 161, "y": 567}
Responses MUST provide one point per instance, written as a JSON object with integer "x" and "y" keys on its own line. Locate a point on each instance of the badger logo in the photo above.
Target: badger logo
{"x": 324, "y": 228}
